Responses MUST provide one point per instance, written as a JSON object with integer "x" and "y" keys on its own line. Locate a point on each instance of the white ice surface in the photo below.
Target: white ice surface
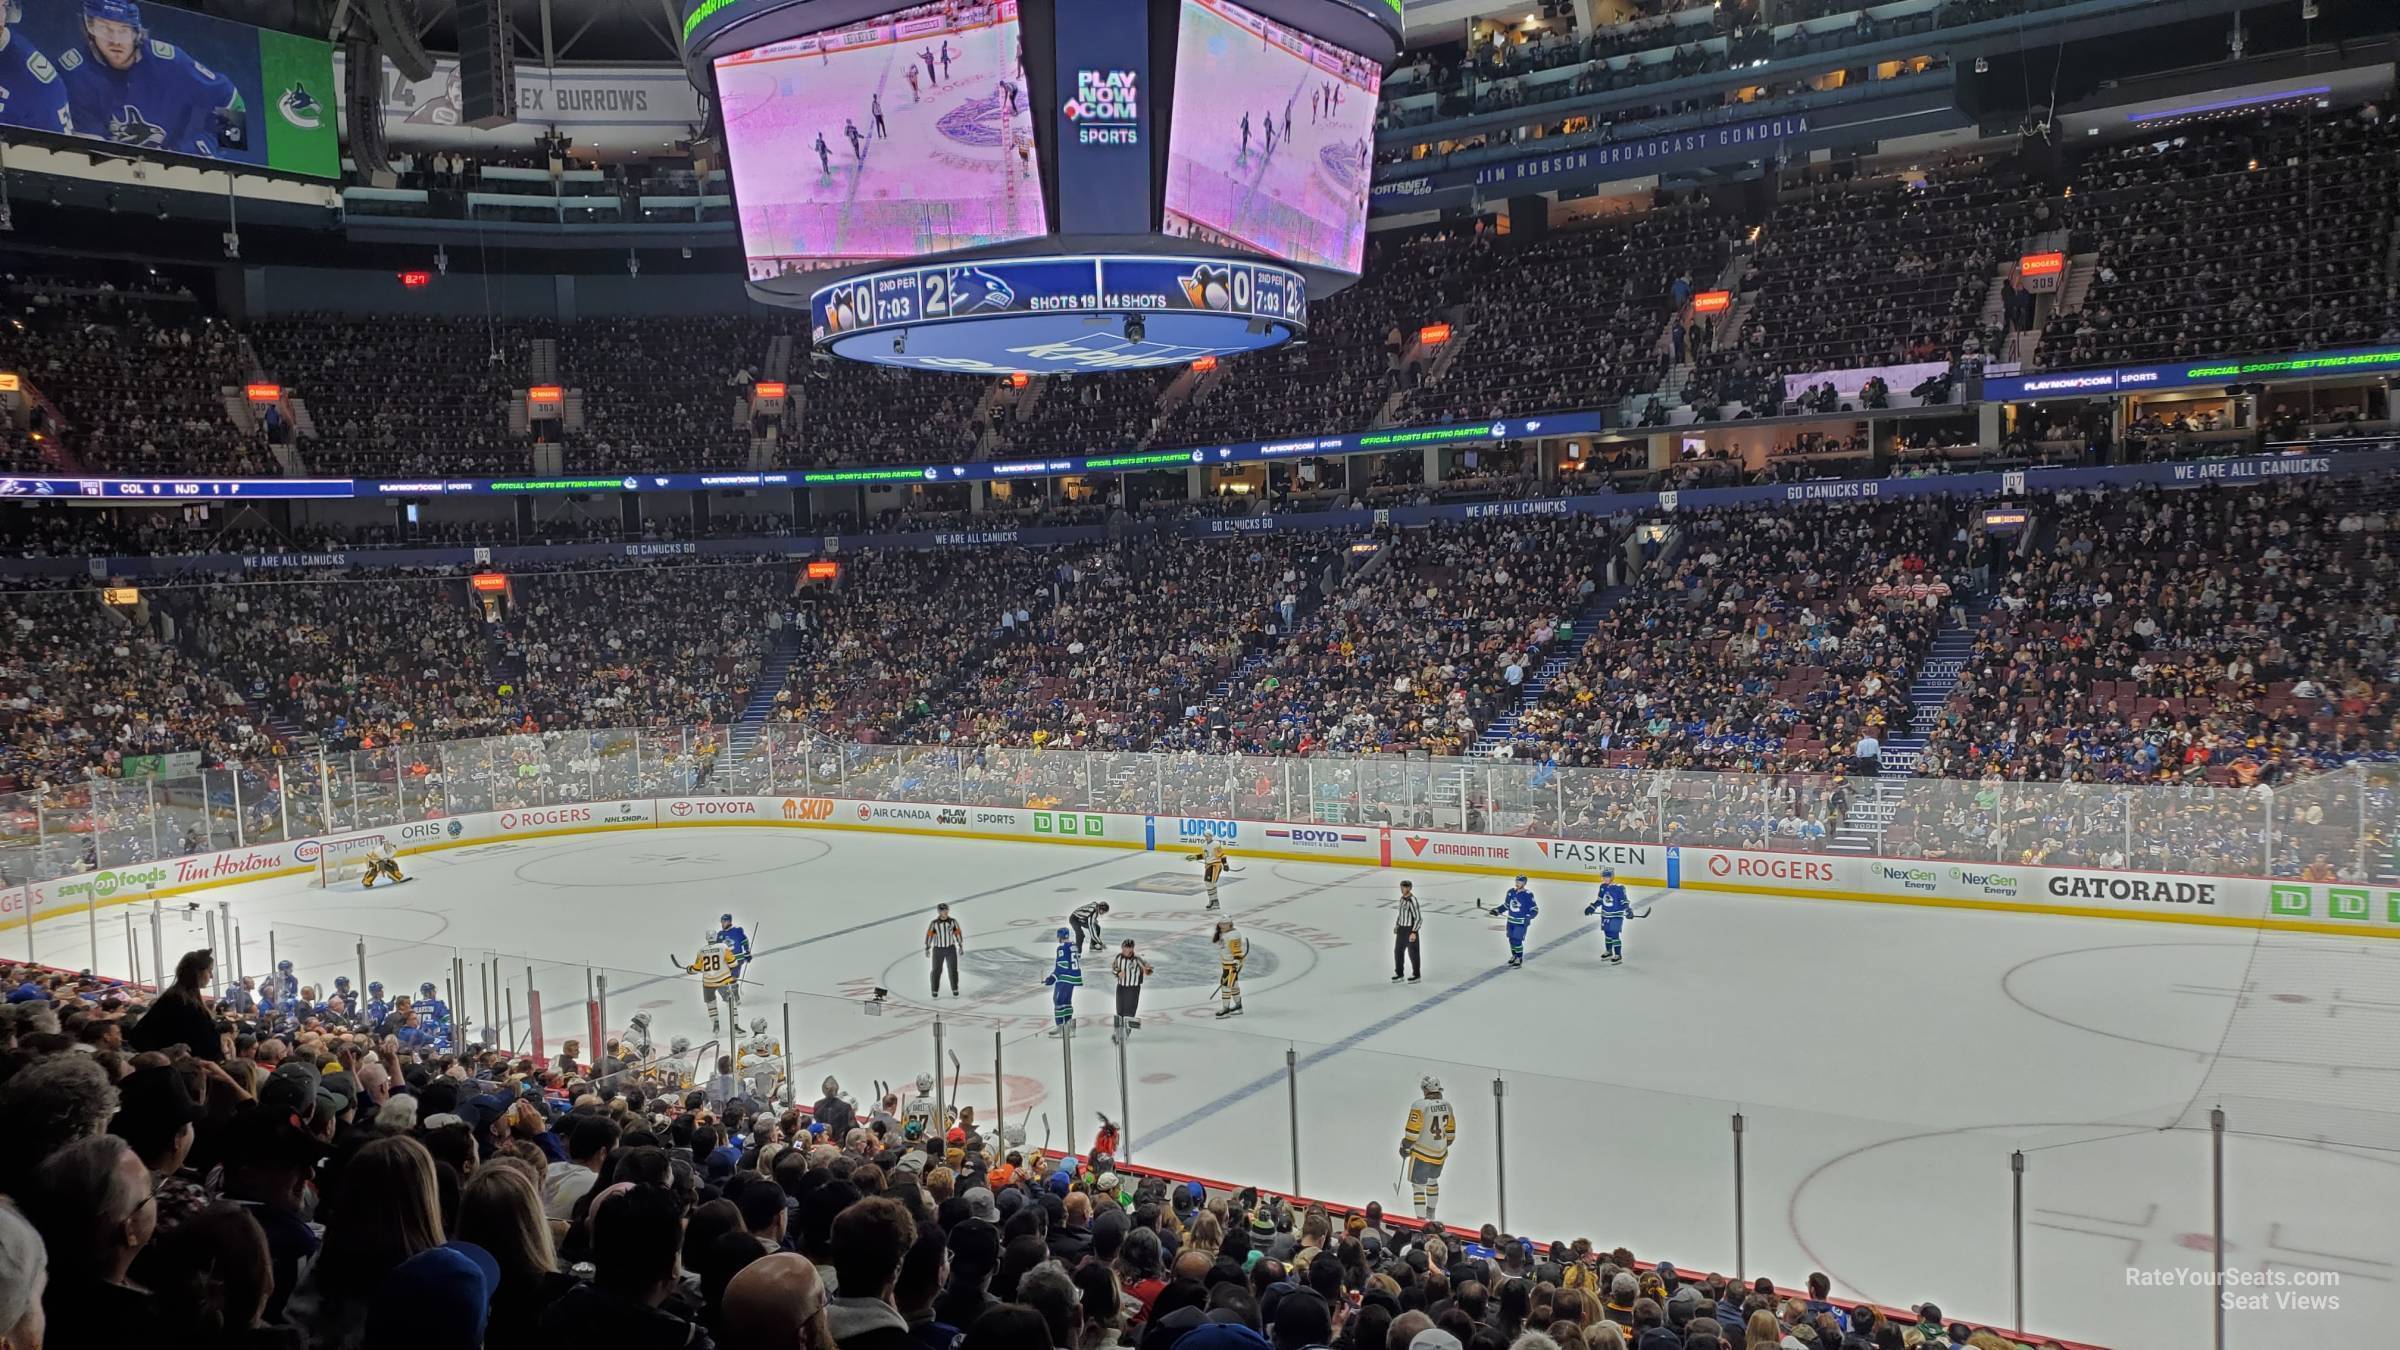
{"x": 1886, "y": 1059}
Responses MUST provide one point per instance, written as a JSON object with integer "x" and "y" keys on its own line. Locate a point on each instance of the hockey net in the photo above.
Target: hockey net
{"x": 343, "y": 858}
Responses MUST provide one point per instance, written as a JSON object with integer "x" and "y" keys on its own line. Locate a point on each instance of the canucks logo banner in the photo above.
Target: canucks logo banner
{"x": 150, "y": 79}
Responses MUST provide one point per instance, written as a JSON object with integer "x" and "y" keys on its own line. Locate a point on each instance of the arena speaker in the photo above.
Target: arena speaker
{"x": 487, "y": 64}
{"x": 363, "y": 100}
{"x": 394, "y": 23}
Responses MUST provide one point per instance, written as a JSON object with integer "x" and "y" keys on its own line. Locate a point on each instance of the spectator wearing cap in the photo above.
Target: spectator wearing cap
{"x": 268, "y": 1159}
{"x": 870, "y": 1240}
{"x": 974, "y": 1259}
{"x": 181, "y": 1015}
{"x": 156, "y": 1116}
{"x": 91, "y": 1203}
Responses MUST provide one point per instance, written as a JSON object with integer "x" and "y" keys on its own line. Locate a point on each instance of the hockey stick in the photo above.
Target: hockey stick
{"x": 1045, "y": 1132}
{"x": 954, "y": 1076}
{"x": 1400, "y": 1178}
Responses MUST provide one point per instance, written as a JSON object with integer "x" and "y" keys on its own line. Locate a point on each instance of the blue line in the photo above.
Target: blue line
{"x": 1251, "y": 1089}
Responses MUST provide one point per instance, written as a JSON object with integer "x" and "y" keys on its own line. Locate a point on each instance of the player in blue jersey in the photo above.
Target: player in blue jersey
{"x": 1613, "y": 908}
{"x": 1517, "y": 910}
{"x": 282, "y": 986}
{"x": 32, "y": 93}
{"x": 132, "y": 89}
{"x": 433, "y": 1016}
{"x": 378, "y": 1007}
{"x": 1065, "y": 976}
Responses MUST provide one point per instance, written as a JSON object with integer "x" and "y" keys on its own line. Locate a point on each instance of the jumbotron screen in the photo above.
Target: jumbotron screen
{"x": 904, "y": 135}
{"x": 1272, "y": 141}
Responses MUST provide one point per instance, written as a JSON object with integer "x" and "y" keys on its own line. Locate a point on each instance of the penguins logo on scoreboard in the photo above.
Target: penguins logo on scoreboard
{"x": 1211, "y": 288}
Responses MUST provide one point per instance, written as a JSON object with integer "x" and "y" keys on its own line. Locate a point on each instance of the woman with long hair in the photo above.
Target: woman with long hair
{"x": 181, "y": 1015}
{"x": 1762, "y": 1332}
{"x": 1208, "y": 1235}
{"x": 388, "y": 1210}
{"x": 501, "y": 1212}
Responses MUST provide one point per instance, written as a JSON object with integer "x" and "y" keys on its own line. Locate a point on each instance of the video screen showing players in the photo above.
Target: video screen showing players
{"x": 905, "y": 135}
{"x": 1273, "y": 138}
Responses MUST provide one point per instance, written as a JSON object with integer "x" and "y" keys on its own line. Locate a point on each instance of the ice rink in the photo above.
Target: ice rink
{"x": 1886, "y": 1059}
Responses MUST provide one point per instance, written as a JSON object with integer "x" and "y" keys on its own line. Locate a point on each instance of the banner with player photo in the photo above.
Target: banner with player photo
{"x": 150, "y": 79}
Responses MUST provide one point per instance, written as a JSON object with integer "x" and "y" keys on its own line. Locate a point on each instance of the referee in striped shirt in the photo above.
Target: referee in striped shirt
{"x": 1130, "y": 971}
{"x": 1408, "y": 923}
{"x": 942, "y": 943}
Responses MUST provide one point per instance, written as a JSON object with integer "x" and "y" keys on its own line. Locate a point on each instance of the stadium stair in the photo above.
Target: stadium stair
{"x": 777, "y": 667}
{"x": 1871, "y": 812}
{"x": 1587, "y": 624}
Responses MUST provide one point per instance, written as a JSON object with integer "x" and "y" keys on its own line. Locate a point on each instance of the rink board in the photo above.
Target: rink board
{"x": 2308, "y": 907}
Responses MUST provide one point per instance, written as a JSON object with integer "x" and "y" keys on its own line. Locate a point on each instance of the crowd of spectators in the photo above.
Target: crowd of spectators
{"x": 2265, "y": 235}
{"x": 1764, "y": 641}
{"x": 1851, "y": 275}
{"x": 402, "y": 396}
{"x": 663, "y": 392}
{"x": 1574, "y": 320}
{"x": 1431, "y": 639}
{"x": 231, "y": 1170}
{"x": 132, "y": 372}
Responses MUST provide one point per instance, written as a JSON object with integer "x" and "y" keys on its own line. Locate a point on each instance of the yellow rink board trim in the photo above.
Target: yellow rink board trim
{"x": 2176, "y": 916}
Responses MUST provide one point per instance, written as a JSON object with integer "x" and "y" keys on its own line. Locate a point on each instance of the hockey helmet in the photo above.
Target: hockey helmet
{"x": 1065, "y": 935}
{"x": 1608, "y": 874}
{"x": 724, "y": 921}
{"x": 425, "y": 990}
{"x": 758, "y": 1026}
{"x": 1520, "y": 878}
{"x": 283, "y": 967}
{"x": 924, "y": 1082}
{"x": 1101, "y": 908}
{"x": 374, "y": 986}
{"x": 1431, "y": 1085}
{"x": 341, "y": 982}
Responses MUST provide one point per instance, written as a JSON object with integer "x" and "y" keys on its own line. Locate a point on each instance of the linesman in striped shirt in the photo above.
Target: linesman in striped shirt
{"x": 943, "y": 941}
{"x": 1408, "y": 925}
{"x": 1130, "y": 970}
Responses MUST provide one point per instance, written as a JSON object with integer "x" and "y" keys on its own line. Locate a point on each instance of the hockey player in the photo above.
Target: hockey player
{"x": 1517, "y": 909}
{"x": 1087, "y": 925}
{"x": 1130, "y": 970}
{"x": 1064, "y": 978}
{"x": 719, "y": 966}
{"x": 1614, "y": 908}
{"x": 1229, "y": 967}
{"x": 944, "y": 940}
{"x": 759, "y": 1062}
{"x": 378, "y": 1008}
{"x": 282, "y": 987}
{"x": 381, "y": 862}
{"x": 239, "y": 999}
{"x": 32, "y": 94}
{"x": 1211, "y": 858}
{"x": 344, "y": 1001}
{"x": 1426, "y": 1145}
{"x": 917, "y": 1117}
{"x": 127, "y": 87}
{"x": 433, "y": 1015}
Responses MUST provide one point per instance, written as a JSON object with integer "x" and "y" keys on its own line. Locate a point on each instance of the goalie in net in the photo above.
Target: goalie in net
{"x": 365, "y": 859}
